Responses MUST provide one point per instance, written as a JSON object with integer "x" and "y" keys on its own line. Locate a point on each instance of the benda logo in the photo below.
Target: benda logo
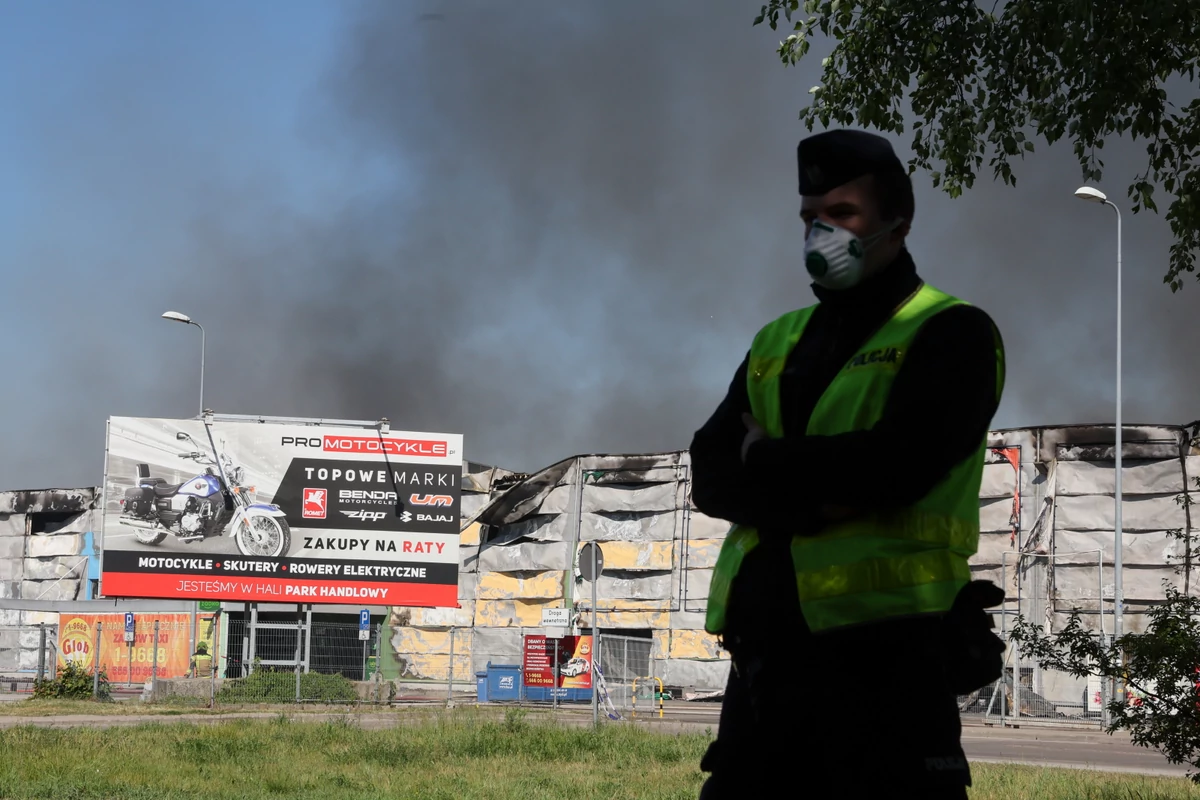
{"x": 379, "y": 444}
{"x": 365, "y": 495}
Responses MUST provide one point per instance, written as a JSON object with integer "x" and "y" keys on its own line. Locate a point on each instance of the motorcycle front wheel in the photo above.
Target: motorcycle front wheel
{"x": 264, "y": 536}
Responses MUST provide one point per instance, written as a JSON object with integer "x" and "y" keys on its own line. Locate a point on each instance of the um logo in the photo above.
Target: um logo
{"x": 431, "y": 500}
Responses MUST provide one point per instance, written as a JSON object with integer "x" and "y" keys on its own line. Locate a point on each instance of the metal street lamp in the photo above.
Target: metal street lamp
{"x": 1093, "y": 195}
{"x": 175, "y": 316}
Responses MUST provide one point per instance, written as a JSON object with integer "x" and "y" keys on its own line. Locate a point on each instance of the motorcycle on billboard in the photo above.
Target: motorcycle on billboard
{"x": 209, "y": 504}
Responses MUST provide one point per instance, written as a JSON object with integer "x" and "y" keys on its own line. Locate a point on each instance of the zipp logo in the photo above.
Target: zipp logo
{"x": 431, "y": 500}
{"x": 366, "y": 516}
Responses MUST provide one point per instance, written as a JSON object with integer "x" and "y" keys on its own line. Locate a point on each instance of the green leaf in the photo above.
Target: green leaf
{"x": 982, "y": 83}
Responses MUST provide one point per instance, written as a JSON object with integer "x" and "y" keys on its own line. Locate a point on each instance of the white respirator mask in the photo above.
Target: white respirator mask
{"x": 835, "y": 257}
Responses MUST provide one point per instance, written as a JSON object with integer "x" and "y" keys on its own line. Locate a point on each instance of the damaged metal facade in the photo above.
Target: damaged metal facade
{"x": 1046, "y": 520}
{"x": 47, "y": 552}
{"x": 1048, "y": 537}
{"x": 520, "y": 556}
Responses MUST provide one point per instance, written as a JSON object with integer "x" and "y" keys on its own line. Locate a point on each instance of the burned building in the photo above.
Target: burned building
{"x": 47, "y": 552}
{"x": 1046, "y": 536}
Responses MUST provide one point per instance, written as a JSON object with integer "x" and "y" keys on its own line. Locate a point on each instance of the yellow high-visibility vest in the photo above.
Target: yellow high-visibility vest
{"x": 892, "y": 564}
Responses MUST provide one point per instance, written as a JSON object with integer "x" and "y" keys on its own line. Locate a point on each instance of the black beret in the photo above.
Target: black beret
{"x": 829, "y": 159}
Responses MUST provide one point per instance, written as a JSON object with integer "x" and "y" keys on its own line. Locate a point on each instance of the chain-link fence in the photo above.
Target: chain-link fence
{"x": 627, "y": 665}
{"x": 1027, "y": 692}
{"x": 298, "y": 662}
{"x": 1043, "y": 589}
{"x": 175, "y": 657}
{"x": 28, "y": 653}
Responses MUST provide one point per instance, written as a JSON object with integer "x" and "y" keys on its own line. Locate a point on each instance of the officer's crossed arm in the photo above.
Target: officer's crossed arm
{"x": 940, "y": 406}
{"x": 720, "y": 486}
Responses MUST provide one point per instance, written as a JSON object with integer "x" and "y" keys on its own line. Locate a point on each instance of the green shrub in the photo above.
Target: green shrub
{"x": 73, "y": 682}
{"x": 268, "y": 686}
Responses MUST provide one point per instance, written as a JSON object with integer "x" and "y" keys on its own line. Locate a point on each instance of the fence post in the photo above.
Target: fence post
{"x": 41, "y": 652}
{"x": 96, "y": 664}
{"x": 450, "y": 672}
{"x": 378, "y": 650}
{"x": 154, "y": 665}
{"x": 299, "y": 636}
{"x": 249, "y": 659}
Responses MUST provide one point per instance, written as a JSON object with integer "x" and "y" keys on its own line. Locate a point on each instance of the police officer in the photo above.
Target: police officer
{"x": 848, "y": 455}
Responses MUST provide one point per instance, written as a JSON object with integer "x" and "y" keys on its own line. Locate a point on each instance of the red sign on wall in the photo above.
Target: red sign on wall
{"x": 574, "y": 662}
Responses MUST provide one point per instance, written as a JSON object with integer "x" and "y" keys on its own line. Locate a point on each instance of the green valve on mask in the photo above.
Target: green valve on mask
{"x": 816, "y": 264}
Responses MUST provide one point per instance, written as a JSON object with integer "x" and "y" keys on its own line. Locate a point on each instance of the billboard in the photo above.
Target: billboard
{"x": 131, "y": 662}
{"x": 282, "y": 513}
{"x": 574, "y": 662}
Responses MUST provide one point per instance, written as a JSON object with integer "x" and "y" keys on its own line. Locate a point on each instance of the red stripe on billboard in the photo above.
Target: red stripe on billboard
{"x": 277, "y": 590}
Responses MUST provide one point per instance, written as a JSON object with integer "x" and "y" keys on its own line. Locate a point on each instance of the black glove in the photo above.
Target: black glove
{"x": 974, "y": 655}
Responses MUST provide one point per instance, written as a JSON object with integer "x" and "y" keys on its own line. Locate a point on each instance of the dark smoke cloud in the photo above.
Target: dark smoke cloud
{"x": 567, "y": 224}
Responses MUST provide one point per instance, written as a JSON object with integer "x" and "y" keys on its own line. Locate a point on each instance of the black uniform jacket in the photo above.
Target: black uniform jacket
{"x": 940, "y": 407}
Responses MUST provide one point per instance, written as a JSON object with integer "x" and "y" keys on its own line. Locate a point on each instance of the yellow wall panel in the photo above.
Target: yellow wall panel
{"x": 662, "y": 641}
{"x": 637, "y": 555}
{"x": 512, "y": 613}
{"x": 470, "y": 534}
{"x": 435, "y": 667}
{"x": 694, "y": 644}
{"x": 702, "y": 553}
{"x": 415, "y": 640}
{"x": 629, "y": 619}
{"x": 503, "y": 586}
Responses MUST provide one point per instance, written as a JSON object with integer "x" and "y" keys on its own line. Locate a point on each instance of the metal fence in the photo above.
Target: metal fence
{"x": 259, "y": 662}
{"x": 1044, "y": 588}
{"x": 1029, "y": 693}
{"x": 627, "y": 664}
{"x": 317, "y": 662}
{"x": 27, "y": 653}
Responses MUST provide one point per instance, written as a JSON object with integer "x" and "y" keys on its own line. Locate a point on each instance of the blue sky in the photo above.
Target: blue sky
{"x": 554, "y": 230}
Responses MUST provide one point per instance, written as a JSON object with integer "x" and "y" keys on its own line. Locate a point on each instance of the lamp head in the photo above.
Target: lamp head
{"x": 1091, "y": 194}
{"x": 175, "y": 316}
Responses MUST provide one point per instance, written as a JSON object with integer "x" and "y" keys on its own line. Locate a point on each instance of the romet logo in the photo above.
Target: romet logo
{"x": 368, "y": 444}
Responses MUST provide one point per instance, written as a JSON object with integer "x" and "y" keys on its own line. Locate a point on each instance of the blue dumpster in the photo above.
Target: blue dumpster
{"x": 543, "y": 694}
{"x": 503, "y": 682}
{"x": 481, "y": 694}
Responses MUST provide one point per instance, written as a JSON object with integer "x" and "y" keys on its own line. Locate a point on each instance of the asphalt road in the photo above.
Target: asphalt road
{"x": 1061, "y": 748}
{"x": 1044, "y": 746}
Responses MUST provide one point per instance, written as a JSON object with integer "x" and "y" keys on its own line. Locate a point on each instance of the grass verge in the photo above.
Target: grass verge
{"x": 33, "y": 707}
{"x": 459, "y": 756}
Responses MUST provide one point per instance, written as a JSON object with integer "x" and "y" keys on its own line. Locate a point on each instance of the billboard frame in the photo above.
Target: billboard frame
{"x": 381, "y": 426}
